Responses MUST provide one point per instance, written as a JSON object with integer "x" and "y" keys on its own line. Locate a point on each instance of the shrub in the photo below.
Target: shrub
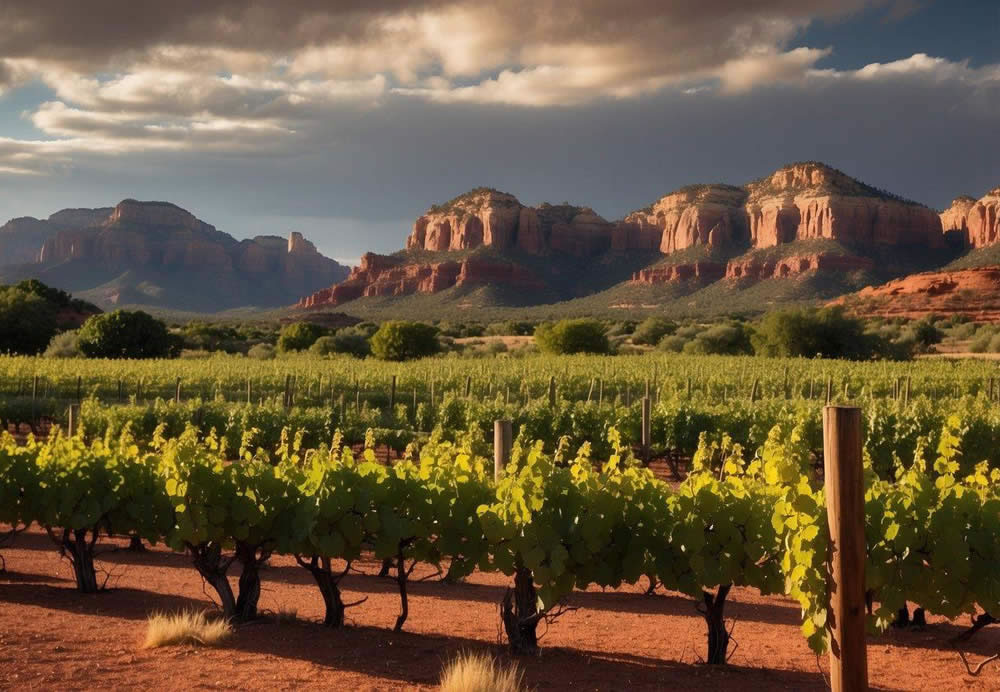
{"x": 349, "y": 340}
{"x": 652, "y": 330}
{"x": 727, "y": 339}
{"x": 261, "y": 352}
{"x": 925, "y": 334}
{"x": 672, "y": 344}
{"x": 479, "y": 672}
{"x": 826, "y": 333}
{"x": 299, "y": 336}
{"x": 572, "y": 336}
{"x": 65, "y": 345}
{"x": 400, "y": 340}
{"x": 127, "y": 334}
{"x": 186, "y": 627}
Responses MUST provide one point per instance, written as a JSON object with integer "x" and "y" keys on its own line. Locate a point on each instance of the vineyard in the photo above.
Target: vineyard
{"x": 330, "y": 465}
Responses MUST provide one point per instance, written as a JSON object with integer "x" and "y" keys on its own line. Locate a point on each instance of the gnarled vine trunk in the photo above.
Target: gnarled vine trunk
{"x": 329, "y": 587}
{"x": 251, "y": 557}
{"x": 75, "y": 545}
{"x": 212, "y": 567}
{"x": 520, "y": 615}
{"x": 718, "y": 636}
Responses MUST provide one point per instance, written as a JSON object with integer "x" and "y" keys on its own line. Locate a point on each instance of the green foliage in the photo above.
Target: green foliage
{"x": 261, "y": 352}
{"x": 65, "y": 345}
{"x": 126, "y": 334}
{"x": 825, "y": 333}
{"x": 572, "y": 336}
{"x": 727, "y": 339}
{"x": 27, "y": 321}
{"x": 652, "y": 330}
{"x": 349, "y": 340}
{"x": 299, "y": 336}
{"x": 400, "y": 340}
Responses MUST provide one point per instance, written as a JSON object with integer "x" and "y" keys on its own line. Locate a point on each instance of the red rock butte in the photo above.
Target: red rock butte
{"x": 800, "y": 202}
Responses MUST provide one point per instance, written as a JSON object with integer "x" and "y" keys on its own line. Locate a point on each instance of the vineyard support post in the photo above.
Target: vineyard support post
{"x": 552, "y": 391}
{"x": 503, "y": 434}
{"x": 392, "y": 395}
{"x": 73, "y": 421}
{"x": 646, "y": 429}
{"x": 845, "y": 502}
{"x": 177, "y": 392}
{"x": 79, "y": 389}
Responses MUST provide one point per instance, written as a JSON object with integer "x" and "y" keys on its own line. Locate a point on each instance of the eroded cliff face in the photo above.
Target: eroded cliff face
{"x": 485, "y": 217}
{"x": 382, "y": 275}
{"x": 811, "y": 200}
{"x": 955, "y": 217}
{"x": 972, "y": 292}
{"x": 711, "y": 215}
{"x": 980, "y": 219}
{"x": 798, "y": 202}
{"x": 21, "y": 239}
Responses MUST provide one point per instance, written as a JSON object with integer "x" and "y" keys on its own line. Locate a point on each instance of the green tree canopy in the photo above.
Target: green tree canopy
{"x": 572, "y": 336}
{"x": 126, "y": 334}
{"x": 812, "y": 332}
{"x": 27, "y": 321}
{"x": 401, "y": 340}
{"x": 299, "y": 336}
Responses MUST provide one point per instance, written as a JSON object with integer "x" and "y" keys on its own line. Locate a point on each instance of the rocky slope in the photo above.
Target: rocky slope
{"x": 800, "y": 204}
{"x": 159, "y": 254}
{"x": 21, "y": 239}
{"x": 972, "y": 292}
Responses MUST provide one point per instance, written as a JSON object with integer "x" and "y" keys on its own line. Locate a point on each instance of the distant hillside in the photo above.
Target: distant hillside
{"x": 804, "y": 233}
{"x": 158, "y": 255}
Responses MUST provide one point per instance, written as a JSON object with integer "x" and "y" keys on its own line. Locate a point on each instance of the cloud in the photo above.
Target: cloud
{"x": 289, "y": 78}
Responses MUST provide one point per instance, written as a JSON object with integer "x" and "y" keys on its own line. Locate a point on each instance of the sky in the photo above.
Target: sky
{"x": 346, "y": 119}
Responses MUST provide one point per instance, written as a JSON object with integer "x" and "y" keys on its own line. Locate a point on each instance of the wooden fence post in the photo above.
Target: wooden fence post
{"x": 646, "y": 427}
{"x": 74, "y": 419}
{"x": 845, "y": 502}
{"x": 503, "y": 434}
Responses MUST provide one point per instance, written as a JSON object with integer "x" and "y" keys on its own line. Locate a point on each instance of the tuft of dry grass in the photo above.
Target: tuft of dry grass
{"x": 480, "y": 672}
{"x": 186, "y": 627}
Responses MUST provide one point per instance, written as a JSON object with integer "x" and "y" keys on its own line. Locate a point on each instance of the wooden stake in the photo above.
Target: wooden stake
{"x": 646, "y": 428}
{"x": 845, "y": 501}
{"x": 74, "y": 419}
{"x": 503, "y": 435}
{"x": 392, "y": 394}
{"x": 552, "y": 391}
{"x": 177, "y": 392}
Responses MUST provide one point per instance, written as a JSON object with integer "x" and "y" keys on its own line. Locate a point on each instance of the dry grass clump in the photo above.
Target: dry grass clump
{"x": 479, "y": 672}
{"x": 186, "y": 627}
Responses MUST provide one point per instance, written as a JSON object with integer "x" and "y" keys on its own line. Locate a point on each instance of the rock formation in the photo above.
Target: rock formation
{"x": 812, "y": 200}
{"x": 169, "y": 250}
{"x": 383, "y": 275}
{"x": 759, "y": 268}
{"x": 711, "y": 215}
{"x": 971, "y": 292}
{"x": 21, "y": 239}
{"x": 487, "y": 217}
{"x": 978, "y": 219}
{"x": 799, "y": 202}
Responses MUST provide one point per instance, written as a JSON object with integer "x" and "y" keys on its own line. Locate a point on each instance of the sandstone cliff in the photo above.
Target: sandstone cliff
{"x": 484, "y": 217}
{"x": 978, "y": 219}
{"x": 383, "y": 275}
{"x": 711, "y": 215}
{"x": 21, "y": 239}
{"x": 159, "y": 253}
{"x": 758, "y": 268}
{"x": 812, "y": 200}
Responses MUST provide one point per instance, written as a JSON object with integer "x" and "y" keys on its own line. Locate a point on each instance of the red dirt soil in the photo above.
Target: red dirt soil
{"x": 54, "y": 638}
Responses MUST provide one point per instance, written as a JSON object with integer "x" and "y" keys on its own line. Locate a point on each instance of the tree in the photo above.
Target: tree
{"x": 652, "y": 330}
{"x": 127, "y": 334}
{"x": 299, "y": 336}
{"x": 401, "y": 340}
{"x": 812, "y": 332}
{"x": 348, "y": 340}
{"x": 27, "y": 321}
{"x": 572, "y": 336}
{"x": 727, "y": 339}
